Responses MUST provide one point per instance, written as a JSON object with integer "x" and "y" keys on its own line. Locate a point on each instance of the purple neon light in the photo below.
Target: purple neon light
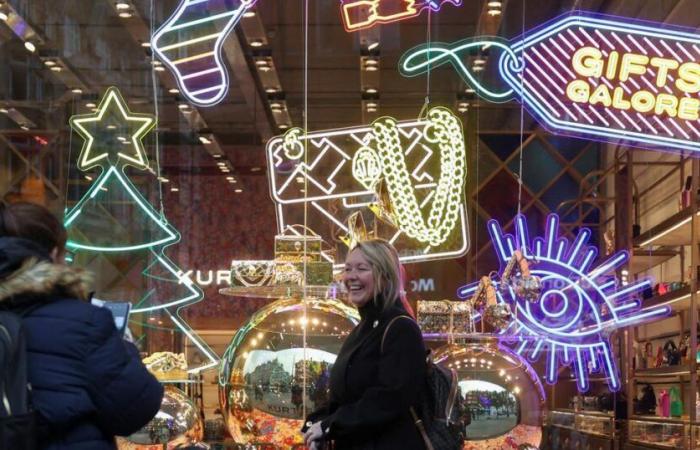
{"x": 579, "y": 306}
{"x": 547, "y": 53}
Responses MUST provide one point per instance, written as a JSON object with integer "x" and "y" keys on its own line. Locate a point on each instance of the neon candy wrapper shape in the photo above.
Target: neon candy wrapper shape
{"x": 362, "y": 14}
{"x": 592, "y": 76}
{"x": 579, "y": 306}
{"x": 421, "y": 162}
{"x": 190, "y": 44}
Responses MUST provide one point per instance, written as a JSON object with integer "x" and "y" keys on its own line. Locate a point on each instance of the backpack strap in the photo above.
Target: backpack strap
{"x": 386, "y": 330}
{"x": 421, "y": 429}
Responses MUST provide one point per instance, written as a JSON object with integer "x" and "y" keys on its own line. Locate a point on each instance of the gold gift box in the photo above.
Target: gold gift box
{"x": 293, "y": 247}
{"x": 445, "y": 316}
{"x": 318, "y": 273}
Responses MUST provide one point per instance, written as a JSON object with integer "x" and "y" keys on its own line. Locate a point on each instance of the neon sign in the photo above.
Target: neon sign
{"x": 592, "y": 76}
{"x": 190, "y": 44}
{"x": 579, "y": 304}
{"x": 112, "y": 141}
{"x": 362, "y": 14}
{"x": 421, "y": 163}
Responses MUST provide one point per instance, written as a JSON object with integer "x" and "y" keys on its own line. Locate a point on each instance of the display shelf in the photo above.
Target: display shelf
{"x": 595, "y": 423}
{"x": 563, "y": 419}
{"x": 659, "y": 432}
{"x": 661, "y": 372}
{"x": 333, "y": 291}
{"x": 674, "y": 231}
{"x": 643, "y": 259}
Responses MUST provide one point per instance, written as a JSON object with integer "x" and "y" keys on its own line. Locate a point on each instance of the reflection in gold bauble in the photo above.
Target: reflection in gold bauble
{"x": 268, "y": 379}
{"x": 177, "y": 423}
{"x": 488, "y": 373}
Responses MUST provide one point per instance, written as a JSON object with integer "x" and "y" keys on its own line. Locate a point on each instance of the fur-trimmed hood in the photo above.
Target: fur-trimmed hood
{"x": 36, "y": 279}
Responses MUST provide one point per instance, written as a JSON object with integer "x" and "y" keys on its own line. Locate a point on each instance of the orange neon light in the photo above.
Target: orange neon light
{"x": 361, "y": 14}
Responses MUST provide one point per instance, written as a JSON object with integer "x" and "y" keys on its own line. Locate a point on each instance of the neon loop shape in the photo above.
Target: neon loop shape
{"x": 420, "y": 60}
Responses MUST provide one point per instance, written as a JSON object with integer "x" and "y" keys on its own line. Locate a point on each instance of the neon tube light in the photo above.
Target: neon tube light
{"x": 592, "y": 76}
{"x": 578, "y": 307}
{"x": 190, "y": 44}
{"x": 362, "y": 14}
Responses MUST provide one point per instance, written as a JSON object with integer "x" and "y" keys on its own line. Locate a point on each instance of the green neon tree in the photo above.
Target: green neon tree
{"x": 114, "y": 231}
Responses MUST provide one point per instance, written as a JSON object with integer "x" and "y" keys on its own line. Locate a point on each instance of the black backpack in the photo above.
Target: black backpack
{"x": 17, "y": 419}
{"x": 444, "y": 415}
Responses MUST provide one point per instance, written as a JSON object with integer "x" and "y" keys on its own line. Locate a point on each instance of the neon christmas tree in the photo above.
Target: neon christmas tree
{"x": 118, "y": 234}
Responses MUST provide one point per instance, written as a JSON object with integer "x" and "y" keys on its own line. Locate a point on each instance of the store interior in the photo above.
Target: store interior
{"x": 533, "y": 162}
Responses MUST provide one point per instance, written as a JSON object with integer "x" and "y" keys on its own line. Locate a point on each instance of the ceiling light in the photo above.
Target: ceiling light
{"x": 24, "y": 127}
{"x": 373, "y": 45}
{"x": 77, "y": 91}
{"x": 479, "y": 61}
{"x": 90, "y": 105}
{"x": 371, "y": 90}
{"x": 249, "y": 14}
{"x": 494, "y": 4}
{"x": 255, "y": 169}
{"x": 183, "y": 106}
{"x": 174, "y": 91}
{"x": 477, "y": 68}
{"x": 146, "y": 44}
{"x": 30, "y": 46}
{"x": 122, "y": 5}
{"x": 270, "y": 90}
{"x": 216, "y": 156}
{"x": 3, "y": 16}
{"x": 371, "y": 110}
{"x": 238, "y": 191}
{"x": 283, "y": 126}
{"x": 256, "y": 43}
{"x": 229, "y": 178}
{"x": 56, "y": 69}
{"x": 163, "y": 180}
{"x": 88, "y": 177}
{"x": 371, "y": 105}
{"x": 276, "y": 105}
{"x": 204, "y": 140}
{"x": 371, "y": 68}
{"x": 159, "y": 69}
{"x": 469, "y": 90}
{"x": 494, "y": 12}
{"x": 155, "y": 62}
{"x": 49, "y": 63}
{"x": 261, "y": 62}
{"x": 371, "y": 62}
{"x": 174, "y": 189}
{"x": 3, "y": 111}
{"x": 125, "y": 15}
{"x": 121, "y": 138}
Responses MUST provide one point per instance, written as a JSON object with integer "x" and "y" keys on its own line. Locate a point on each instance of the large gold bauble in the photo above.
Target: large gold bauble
{"x": 178, "y": 422}
{"x": 269, "y": 379}
{"x": 502, "y": 391}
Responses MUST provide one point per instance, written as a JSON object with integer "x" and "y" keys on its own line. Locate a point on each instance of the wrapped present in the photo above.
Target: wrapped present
{"x": 167, "y": 366}
{"x": 297, "y": 243}
{"x": 318, "y": 273}
{"x": 445, "y": 316}
{"x": 252, "y": 273}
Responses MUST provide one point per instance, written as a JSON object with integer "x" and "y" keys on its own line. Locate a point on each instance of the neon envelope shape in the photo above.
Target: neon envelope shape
{"x": 339, "y": 170}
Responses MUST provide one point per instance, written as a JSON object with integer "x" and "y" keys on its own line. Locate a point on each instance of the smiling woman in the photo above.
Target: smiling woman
{"x": 380, "y": 372}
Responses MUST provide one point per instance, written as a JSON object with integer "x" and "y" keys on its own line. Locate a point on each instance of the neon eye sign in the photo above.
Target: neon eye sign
{"x": 190, "y": 44}
{"x": 594, "y": 77}
{"x": 362, "y": 14}
{"x": 580, "y": 303}
{"x": 332, "y": 174}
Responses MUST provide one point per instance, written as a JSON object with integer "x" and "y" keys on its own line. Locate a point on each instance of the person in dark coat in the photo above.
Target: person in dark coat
{"x": 88, "y": 384}
{"x": 373, "y": 385}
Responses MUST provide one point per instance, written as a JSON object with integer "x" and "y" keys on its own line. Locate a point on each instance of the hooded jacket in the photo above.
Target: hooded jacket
{"x": 88, "y": 384}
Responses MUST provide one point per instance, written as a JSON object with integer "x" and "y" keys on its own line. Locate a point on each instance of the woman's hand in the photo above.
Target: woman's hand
{"x": 313, "y": 434}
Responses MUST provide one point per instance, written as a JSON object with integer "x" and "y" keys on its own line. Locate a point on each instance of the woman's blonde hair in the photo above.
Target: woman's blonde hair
{"x": 386, "y": 270}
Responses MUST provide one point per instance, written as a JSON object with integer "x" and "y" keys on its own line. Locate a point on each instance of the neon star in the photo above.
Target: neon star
{"x": 112, "y": 134}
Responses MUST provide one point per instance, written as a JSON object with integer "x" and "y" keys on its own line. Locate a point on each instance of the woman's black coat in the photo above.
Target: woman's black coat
{"x": 371, "y": 390}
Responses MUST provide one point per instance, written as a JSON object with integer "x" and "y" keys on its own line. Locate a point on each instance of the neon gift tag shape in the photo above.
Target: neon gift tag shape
{"x": 190, "y": 44}
{"x": 419, "y": 164}
{"x": 362, "y": 14}
{"x": 593, "y": 76}
{"x": 579, "y": 306}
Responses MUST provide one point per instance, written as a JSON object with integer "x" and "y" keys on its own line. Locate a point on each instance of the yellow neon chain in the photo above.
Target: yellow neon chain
{"x": 445, "y": 130}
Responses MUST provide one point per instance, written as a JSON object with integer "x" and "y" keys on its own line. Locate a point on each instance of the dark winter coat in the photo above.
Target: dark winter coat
{"x": 371, "y": 390}
{"x": 88, "y": 384}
